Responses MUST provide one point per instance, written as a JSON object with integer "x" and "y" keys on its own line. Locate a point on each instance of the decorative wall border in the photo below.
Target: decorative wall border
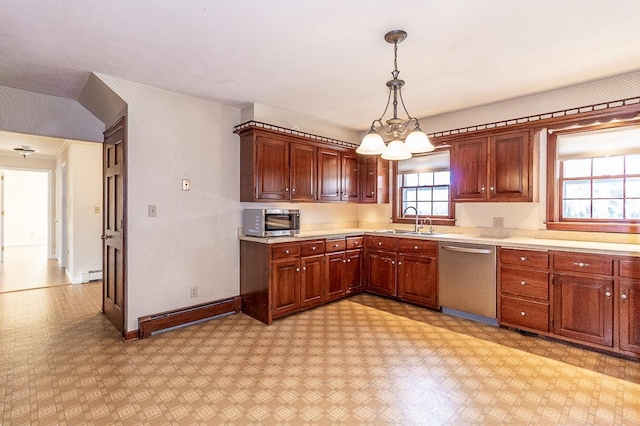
{"x": 284, "y": 130}
{"x": 538, "y": 117}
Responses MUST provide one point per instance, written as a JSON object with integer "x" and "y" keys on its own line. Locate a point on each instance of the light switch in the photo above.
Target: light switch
{"x": 96, "y": 210}
{"x": 153, "y": 210}
{"x": 186, "y": 184}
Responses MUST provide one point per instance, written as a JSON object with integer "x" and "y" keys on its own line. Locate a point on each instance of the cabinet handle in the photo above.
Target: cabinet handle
{"x": 482, "y": 189}
{"x": 399, "y": 263}
{"x": 379, "y": 243}
{"x": 297, "y": 269}
{"x": 607, "y": 293}
{"x": 523, "y": 313}
{"x": 293, "y": 190}
{"x": 523, "y": 258}
{"x": 348, "y": 260}
{"x": 523, "y": 282}
{"x": 580, "y": 264}
{"x": 415, "y": 247}
{"x": 286, "y": 251}
{"x": 335, "y": 245}
{"x": 286, "y": 190}
{"x": 313, "y": 248}
{"x": 304, "y": 268}
{"x": 624, "y": 296}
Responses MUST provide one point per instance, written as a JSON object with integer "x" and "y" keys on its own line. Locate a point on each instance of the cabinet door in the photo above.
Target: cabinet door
{"x": 350, "y": 178}
{"x": 417, "y": 279}
{"x": 312, "y": 280}
{"x": 469, "y": 169}
{"x": 509, "y": 158}
{"x": 335, "y": 283}
{"x": 303, "y": 172}
{"x": 353, "y": 271}
{"x": 272, "y": 169}
{"x": 285, "y": 286}
{"x": 381, "y": 273}
{"x": 368, "y": 178}
{"x": 329, "y": 175}
{"x": 630, "y": 315}
{"x": 583, "y": 308}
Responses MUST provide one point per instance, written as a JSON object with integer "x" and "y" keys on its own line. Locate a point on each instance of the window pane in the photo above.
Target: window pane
{"x": 405, "y": 205}
{"x": 424, "y": 194}
{"x": 607, "y": 209}
{"x": 409, "y": 194}
{"x": 577, "y": 209}
{"x": 426, "y": 179}
{"x": 411, "y": 179}
{"x": 632, "y": 209}
{"x": 440, "y": 209}
{"x": 607, "y": 188}
{"x": 424, "y": 209}
{"x": 633, "y": 165}
{"x": 633, "y": 188}
{"x": 577, "y": 189}
{"x": 441, "y": 178}
{"x": 576, "y": 168}
{"x": 441, "y": 193}
{"x": 608, "y": 166}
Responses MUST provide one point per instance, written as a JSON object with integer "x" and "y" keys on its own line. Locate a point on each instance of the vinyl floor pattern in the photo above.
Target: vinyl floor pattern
{"x": 365, "y": 360}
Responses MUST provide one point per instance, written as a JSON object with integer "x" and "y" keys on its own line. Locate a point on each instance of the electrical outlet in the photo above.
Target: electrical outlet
{"x": 498, "y": 222}
{"x": 186, "y": 184}
{"x": 194, "y": 291}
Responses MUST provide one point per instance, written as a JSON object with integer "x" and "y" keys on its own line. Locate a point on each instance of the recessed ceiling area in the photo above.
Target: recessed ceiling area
{"x": 45, "y": 147}
{"x": 323, "y": 59}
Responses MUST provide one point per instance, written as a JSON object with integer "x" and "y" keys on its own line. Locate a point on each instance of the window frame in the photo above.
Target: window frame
{"x": 555, "y": 219}
{"x": 410, "y": 219}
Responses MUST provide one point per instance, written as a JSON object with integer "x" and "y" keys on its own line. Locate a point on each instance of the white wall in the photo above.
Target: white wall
{"x": 83, "y": 162}
{"x": 26, "y": 207}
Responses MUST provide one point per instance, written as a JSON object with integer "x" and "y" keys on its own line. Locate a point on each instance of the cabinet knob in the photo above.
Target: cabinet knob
{"x": 344, "y": 261}
{"x": 293, "y": 190}
{"x": 482, "y": 189}
{"x": 399, "y": 263}
{"x": 286, "y": 251}
{"x": 523, "y": 258}
{"x": 523, "y": 282}
{"x": 393, "y": 262}
{"x": 607, "y": 293}
{"x": 491, "y": 188}
{"x": 286, "y": 190}
{"x": 523, "y": 313}
{"x": 580, "y": 264}
{"x": 624, "y": 296}
{"x": 379, "y": 243}
{"x": 415, "y": 247}
{"x": 348, "y": 260}
{"x": 335, "y": 245}
{"x": 355, "y": 243}
{"x": 373, "y": 193}
{"x": 304, "y": 268}
{"x": 313, "y": 248}
{"x": 297, "y": 269}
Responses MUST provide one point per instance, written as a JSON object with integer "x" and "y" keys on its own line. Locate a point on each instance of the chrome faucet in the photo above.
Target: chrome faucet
{"x": 430, "y": 224}
{"x": 418, "y": 226}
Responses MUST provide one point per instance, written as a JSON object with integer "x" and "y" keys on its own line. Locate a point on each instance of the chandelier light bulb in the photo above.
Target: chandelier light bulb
{"x": 396, "y": 150}
{"x": 418, "y": 142}
{"x": 372, "y": 144}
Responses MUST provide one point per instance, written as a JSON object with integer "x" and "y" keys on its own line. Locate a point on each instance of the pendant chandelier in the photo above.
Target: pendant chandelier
{"x": 405, "y": 140}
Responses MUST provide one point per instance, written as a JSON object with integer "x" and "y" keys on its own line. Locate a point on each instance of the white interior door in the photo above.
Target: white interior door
{"x": 1, "y": 216}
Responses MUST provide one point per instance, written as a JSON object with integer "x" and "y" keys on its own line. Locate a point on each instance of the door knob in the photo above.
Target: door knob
{"x": 106, "y": 237}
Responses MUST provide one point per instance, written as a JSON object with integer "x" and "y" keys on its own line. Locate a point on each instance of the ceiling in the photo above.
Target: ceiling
{"x": 45, "y": 147}
{"x": 325, "y": 59}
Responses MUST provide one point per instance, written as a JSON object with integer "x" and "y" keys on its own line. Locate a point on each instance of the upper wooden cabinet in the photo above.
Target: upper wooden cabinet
{"x": 282, "y": 167}
{"x": 498, "y": 167}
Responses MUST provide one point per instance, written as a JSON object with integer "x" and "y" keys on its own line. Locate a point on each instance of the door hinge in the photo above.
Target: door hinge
{"x": 271, "y": 306}
{"x": 553, "y": 322}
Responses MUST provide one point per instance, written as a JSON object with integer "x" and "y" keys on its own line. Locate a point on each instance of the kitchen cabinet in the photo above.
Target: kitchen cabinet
{"x": 285, "y": 286}
{"x": 338, "y": 176}
{"x": 312, "y": 264}
{"x": 629, "y": 300}
{"x": 523, "y": 289}
{"x": 374, "y": 179}
{"x": 418, "y": 272}
{"x": 381, "y": 265}
{"x": 302, "y": 173}
{"x": 335, "y": 269}
{"x": 583, "y": 297}
{"x": 498, "y": 167}
{"x": 354, "y": 261}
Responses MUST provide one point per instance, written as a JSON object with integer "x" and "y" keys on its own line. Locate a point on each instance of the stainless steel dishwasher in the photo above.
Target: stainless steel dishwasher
{"x": 467, "y": 281}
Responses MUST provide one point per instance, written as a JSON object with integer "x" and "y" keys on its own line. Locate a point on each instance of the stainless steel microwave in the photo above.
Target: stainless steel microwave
{"x": 271, "y": 222}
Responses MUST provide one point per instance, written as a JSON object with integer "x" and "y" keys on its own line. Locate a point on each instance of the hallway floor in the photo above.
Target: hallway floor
{"x": 27, "y": 267}
{"x": 364, "y": 360}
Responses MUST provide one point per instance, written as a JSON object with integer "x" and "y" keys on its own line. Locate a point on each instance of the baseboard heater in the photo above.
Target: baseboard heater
{"x": 153, "y": 323}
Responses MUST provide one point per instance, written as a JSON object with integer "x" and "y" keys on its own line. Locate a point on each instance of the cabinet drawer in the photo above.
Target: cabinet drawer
{"x": 281, "y": 251}
{"x": 335, "y": 245}
{"x": 528, "y": 258}
{"x": 524, "y": 282}
{"x": 630, "y": 268}
{"x": 419, "y": 247}
{"x": 525, "y": 313}
{"x": 381, "y": 243}
{"x": 355, "y": 243}
{"x": 310, "y": 248}
{"x": 581, "y": 262}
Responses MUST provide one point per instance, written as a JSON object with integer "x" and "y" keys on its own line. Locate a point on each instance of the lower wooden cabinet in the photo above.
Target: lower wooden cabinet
{"x": 353, "y": 271}
{"x": 285, "y": 286}
{"x": 381, "y": 273}
{"x": 583, "y": 308}
{"x": 312, "y": 281}
{"x": 524, "y": 313}
{"x": 335, "y": 275}
{"x": 629, "y": 298}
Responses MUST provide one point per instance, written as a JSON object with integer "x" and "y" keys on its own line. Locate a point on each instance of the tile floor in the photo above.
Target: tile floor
{"x": 365, "y": 360}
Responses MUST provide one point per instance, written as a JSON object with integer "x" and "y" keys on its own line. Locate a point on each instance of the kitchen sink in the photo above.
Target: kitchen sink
{"x": 402, "y": 232}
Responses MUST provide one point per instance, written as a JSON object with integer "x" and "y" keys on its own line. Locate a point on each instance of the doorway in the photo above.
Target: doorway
{"x": 25, "y": 231}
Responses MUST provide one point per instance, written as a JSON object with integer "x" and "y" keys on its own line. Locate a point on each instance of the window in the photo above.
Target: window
{"x": 423, "y": 183}
{"x": 597, "y": 181}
